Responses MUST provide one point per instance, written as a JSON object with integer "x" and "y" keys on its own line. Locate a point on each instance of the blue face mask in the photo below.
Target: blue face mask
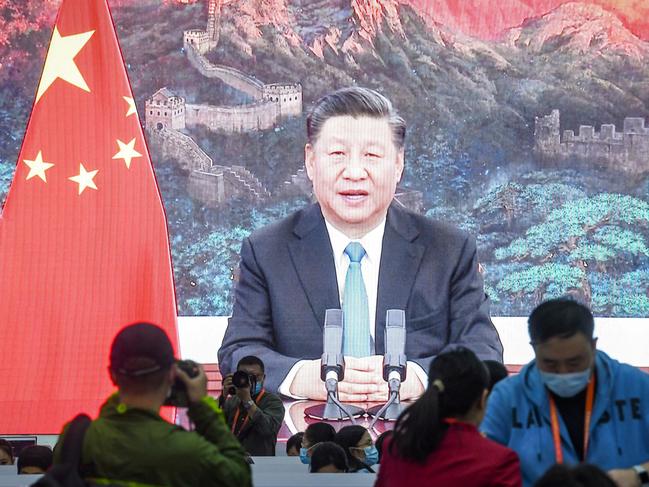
{"x": 304, "y": 458}
{"x": 371, "y": 455}
{"x": 566, "y": 385}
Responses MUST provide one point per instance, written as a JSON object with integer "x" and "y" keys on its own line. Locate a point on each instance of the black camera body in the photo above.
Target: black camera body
{"x": 178, "y": 396}
{"x": 242, "y": 379}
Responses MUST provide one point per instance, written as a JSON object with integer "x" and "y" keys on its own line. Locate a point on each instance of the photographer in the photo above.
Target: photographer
{"x": 131, "y": 443}
{"x": 253, "y": 414}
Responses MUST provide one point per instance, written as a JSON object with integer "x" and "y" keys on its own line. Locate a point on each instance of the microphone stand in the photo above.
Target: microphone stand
{"x": 391, "y": 410}
{"x": 333, "y": 409}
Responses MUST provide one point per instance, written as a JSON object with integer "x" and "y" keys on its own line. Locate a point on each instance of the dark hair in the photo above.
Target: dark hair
{"x": 319, "y": 433}
{"x": 562, "y": 317}
{"x": 497, "y": 372}
{"x": 35, "y": 456}
{"x": 348, "y": 437}
{"x": 583, "y": 475}
{"x": 355, "y": 102}
{"x": 7, "y": 448}
{"x": 251, "y": 360}
{"x": 294, "y": 441}
{"x": 379, "y": 442}
{"x": 456, "y": 381}
{"x": 328, "y": 453}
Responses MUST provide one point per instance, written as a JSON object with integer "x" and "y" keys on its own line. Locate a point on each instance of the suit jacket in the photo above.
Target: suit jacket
{"x": 288, "y": 279}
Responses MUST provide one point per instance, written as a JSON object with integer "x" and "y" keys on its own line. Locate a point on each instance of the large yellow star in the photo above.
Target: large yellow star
{"x": 37, "y": 167}
{"x": 131, "y": 105}
{"x": 60, "y": 61}
{"x": 84, "y": 178}
{"x": 127, "y": 152}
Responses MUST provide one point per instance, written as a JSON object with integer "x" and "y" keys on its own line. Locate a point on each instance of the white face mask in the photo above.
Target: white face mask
{"x": 566, "y": 385}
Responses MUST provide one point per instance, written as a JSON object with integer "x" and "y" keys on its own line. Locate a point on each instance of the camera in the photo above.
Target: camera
{"x": 178, "y": 396}
{"x": 242, "y": 379}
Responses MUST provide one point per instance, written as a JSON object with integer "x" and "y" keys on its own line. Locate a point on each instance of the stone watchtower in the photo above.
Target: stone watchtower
{"x": 213, "y": 23}
{"x": 166, "y": 110}
{"x": 547, "y": 138}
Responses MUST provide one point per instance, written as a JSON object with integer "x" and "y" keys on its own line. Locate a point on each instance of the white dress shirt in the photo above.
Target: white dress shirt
{"x": 372, "y": 242}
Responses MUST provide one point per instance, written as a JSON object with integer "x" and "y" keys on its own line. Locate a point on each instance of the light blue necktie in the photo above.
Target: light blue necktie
{"x": 356, "y": 332}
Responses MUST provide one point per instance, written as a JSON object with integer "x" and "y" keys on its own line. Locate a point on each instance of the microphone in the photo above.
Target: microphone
{"x": 394, "y": 366}
{"x": 394, "y": 359}
{"x": 332, "y": 365}
{"x": 332, "y": 370}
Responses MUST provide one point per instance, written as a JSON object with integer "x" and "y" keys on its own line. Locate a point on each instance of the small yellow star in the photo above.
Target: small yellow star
{"x": 84, "y": 178}
{"x": 37, "y": 167}
{"x": 127, "y": 152}
{"x": 60, "y": 61}
{"x": 131, "y": 105}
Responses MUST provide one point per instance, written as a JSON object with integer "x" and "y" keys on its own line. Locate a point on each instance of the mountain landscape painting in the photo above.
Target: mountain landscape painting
{"x": 528, "y": 126}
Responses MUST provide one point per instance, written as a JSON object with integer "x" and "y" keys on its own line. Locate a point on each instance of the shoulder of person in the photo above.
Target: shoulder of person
{"x": 277, "y": 231}
{"x": 430, "y": 228}
{"x": 623, "y": 374}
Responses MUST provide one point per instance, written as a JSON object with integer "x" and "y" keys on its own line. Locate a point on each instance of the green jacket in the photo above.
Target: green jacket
{"x": 259, "y": 434}
{"x": 137, "y": 446}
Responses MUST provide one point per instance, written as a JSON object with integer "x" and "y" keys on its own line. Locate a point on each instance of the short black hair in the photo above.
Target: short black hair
{"x": 319, "y": 432}
{"x": 294, "y": 441}
{"x": 355, "y": 102}
{"x": 35, "y": 456}
{"x": 7, "y": 448}
{"x": 497, "y": 372}
{"x": 380, "y": 440}
{"x": 576, "y": 476}
{"x": 561, "y": 317}
{"x": 328, "y": 453}
{"x": 251, "y": 360}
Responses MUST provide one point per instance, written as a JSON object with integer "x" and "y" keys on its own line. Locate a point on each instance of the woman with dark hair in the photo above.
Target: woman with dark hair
{"x": 293, "y": 445}
{"x": 583, "y": 475}
{"x": 314, "y": 434}
{"x": 6, "y": 453}
{"x": 359, "y": 448}
{"x": 436, "y": 440}
{"x": 328, "y": 457}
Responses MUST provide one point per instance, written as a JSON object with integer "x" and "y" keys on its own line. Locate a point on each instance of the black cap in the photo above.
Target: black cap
{"x": 140, "y": 349}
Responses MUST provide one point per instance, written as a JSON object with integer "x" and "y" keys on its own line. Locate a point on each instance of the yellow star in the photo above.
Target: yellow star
{"x": 37, "y": 167}
{"x": 127, "y": 152}
{"x": 131, "y": 105}
{"x": 84, "y": 178}
{"x": 60, "y": 61}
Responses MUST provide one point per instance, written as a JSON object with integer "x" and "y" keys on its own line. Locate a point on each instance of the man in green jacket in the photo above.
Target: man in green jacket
{"x": 130, "y": 443}
{"x": 253, "y": 414}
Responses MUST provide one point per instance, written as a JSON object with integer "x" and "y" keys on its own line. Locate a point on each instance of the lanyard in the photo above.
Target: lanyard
{"x": 245, "y": 421}
{"x": 554, "y": 417}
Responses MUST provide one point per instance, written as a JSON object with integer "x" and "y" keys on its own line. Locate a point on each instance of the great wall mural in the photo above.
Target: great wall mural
{"x": 528, "y": 126}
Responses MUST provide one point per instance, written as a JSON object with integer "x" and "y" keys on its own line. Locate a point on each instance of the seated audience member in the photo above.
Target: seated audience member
{"x": 254, "y": 414}
{"x": 379, "y": 442}
{"x": 315, "y": 434}
{"x": 293, "y": 445}
{"x": 34, "y": 459}
{"x": 131, "y": 443}
{"x": 497, "y": 372}
{"x": 328, "y": 457}
{"x": 359, "y": 447}
{"x": 6, "y": 453}
{"x": 583, "y": 475}
{"x": 572, "y": 403}
{"x": 436, "y": 441}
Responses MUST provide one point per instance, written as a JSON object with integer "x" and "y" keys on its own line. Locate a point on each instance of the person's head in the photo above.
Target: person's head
{"x": 379, "y": 442}
{"x": 294, "y": 444}
{"x": 358, "y": 445}
{"x": 142, "y": 361}
{"x": 328, "y": 457}
{"x": 583, "y": 475}
{"x": 252, "y": 365}
{"x": 34, "y": 459}
{"x": 6, "y": 453}
{"x": 354, "y": 157}
{"x": 314, "y": 434}
{"x": 497, "y": 372}
{"x": 457, "y": 390}
{"x": 561, "y": 333}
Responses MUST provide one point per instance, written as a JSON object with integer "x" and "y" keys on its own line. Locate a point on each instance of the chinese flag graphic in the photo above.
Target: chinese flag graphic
{"x": 84, "y": 249}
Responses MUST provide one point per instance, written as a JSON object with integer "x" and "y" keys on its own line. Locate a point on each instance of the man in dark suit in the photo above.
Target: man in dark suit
{"x": 358, "y": 250}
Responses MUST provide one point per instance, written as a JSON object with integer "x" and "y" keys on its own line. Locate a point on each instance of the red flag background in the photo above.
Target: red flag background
{"x": 83, "y": 240}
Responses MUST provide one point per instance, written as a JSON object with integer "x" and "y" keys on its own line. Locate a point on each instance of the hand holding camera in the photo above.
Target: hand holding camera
{"x": 240, "y": 383}
{"x": 190, "y": 386}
